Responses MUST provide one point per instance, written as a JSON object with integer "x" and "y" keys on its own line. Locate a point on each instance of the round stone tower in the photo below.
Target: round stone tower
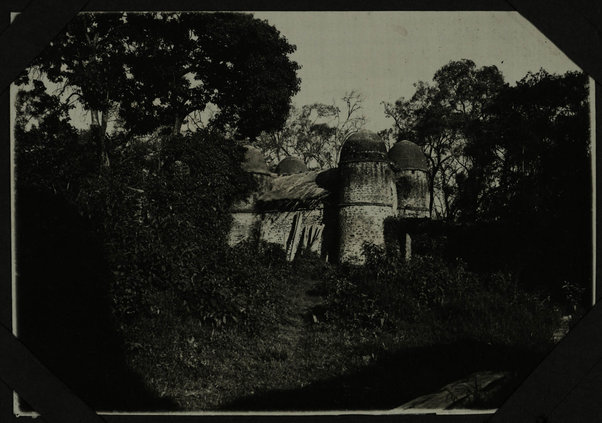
{"x": 409, "y": 164}
{"x": 366, "y": 195}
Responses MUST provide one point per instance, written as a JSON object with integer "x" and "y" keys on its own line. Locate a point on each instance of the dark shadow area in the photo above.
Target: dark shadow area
{"x": 64, "y": 314}
{"x": 540, "y": 255}
{"x": 399, "y": 378}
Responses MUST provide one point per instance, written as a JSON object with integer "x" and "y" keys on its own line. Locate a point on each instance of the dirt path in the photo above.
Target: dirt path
{"x": 300, "y": 313}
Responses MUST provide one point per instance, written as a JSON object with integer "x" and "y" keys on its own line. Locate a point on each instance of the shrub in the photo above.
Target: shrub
{"x": 445, "y": 299}
{"x": 164, "y": 213}
{"x": 245, "y": 286}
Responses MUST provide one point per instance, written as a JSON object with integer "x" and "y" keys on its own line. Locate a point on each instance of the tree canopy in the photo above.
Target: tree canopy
{"x": 155, "y": 69}
{"x": 442, "y": 117}
{"x": 510, "y": 162}
{"x": 315, "y": 132}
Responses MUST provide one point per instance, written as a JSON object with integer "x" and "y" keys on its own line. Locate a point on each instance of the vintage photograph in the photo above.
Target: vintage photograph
{"x": 299, "y": 211}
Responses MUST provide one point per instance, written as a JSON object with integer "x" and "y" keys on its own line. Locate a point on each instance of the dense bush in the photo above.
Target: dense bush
{"x": 162, "y": 213}
{"x": 445, "y": 299}
{"x": 246, "y": 286}
{"x": 531, "y": 254}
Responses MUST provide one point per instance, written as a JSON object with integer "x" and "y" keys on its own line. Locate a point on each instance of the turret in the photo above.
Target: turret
{"x": 366, "y": 195}
{"x": 409, "y": 164}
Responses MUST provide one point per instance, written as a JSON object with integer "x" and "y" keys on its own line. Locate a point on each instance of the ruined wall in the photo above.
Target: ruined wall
{"x": 366, "y": 192}
{"x": 366, "y": 182}
{"x": 293, "y": 229}
{"x": 366, "y": 199}
{"x": 412, "y": 194}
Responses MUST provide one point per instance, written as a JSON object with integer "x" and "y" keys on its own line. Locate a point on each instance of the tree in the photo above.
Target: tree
{"x": 542, "y": 133}
{"x": 86, "y": 60}
{"x": 157, "y": 68}
{"x": 49, "y": 154}
{"x": 511, "y": 164}
{"x": 233, "y": 61}
{"x": 445, "y": 118}
{"x": 316, "y": 132}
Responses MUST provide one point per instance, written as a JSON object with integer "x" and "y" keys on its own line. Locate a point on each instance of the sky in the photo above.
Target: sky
{"x": 382, "y": 54}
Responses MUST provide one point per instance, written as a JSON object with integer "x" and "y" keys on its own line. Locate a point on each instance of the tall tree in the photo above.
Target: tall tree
{"x": 444, "y": 117}
{"x": 541, "y": 131}
{"x": 86, "y": 60}
{"x": 157, "y": 68}
{"x": 49, "y": 154}
{"x": 180, "y": 63}
{"x": 316, "y": 132}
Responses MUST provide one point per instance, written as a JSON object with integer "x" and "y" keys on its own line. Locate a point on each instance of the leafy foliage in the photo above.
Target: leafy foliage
{"x": 179, "y": 63}
{"x": 442, "y": 117}
{"x": 513, "y": 163}
{"x": 445, "y": 300}
{"x": 155, "y": 69}
{"x": 315, "y": 133}
{"x": 50, "y": 152}
{"x": 165, "y": 226}
{"x": 162, "y": 213}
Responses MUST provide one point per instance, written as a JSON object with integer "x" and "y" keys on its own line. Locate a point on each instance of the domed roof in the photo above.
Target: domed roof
{"x": 364, "y": 145}
{"x": 254, "y": 161}
{"x": 407, "y": 155}
{"x": 290, "y": 165}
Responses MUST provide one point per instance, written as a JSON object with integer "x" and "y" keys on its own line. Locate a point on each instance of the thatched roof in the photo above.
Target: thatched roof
{"x": 300, "y": 189}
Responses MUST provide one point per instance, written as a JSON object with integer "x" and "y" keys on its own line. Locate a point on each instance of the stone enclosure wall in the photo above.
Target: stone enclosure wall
{"x": 360, "y": 225}
{"x": 366, "y": 182}
{"x": 294, "y": 230}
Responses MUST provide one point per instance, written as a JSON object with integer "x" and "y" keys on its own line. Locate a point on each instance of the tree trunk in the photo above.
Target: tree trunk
{"x": 177, "y": 126}
{"x": 98, "y": 129}
{"x": 431, "y": 193}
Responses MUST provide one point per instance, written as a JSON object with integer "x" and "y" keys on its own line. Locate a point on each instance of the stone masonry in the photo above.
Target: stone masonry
{"x": 336, "y": 212}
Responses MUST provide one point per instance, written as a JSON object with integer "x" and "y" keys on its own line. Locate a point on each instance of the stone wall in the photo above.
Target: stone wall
{"x": 412, "y": 194}
{"x": 366, "y": 199}
{"x": 359, "y": 225}
{"x": 294, "y": 229}
{"x": 367, "y": 193}
{"x": 366, "y": 182}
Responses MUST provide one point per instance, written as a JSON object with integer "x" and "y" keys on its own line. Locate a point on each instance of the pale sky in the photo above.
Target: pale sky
{"x": 382, "y": 54}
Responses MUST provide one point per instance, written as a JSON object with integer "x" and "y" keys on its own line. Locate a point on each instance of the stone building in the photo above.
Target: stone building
{"x": 337, "y": 211}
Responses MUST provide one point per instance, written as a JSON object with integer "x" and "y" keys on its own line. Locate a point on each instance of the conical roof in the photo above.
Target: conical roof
{"x": 406, "y": 155}
{"x": 291, "y": 165}
{"x": 364, "y": 145}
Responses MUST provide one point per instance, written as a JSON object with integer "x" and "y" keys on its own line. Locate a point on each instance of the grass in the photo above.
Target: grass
{"x": 201, "y": 368}
{"x": 301, "y": 362}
